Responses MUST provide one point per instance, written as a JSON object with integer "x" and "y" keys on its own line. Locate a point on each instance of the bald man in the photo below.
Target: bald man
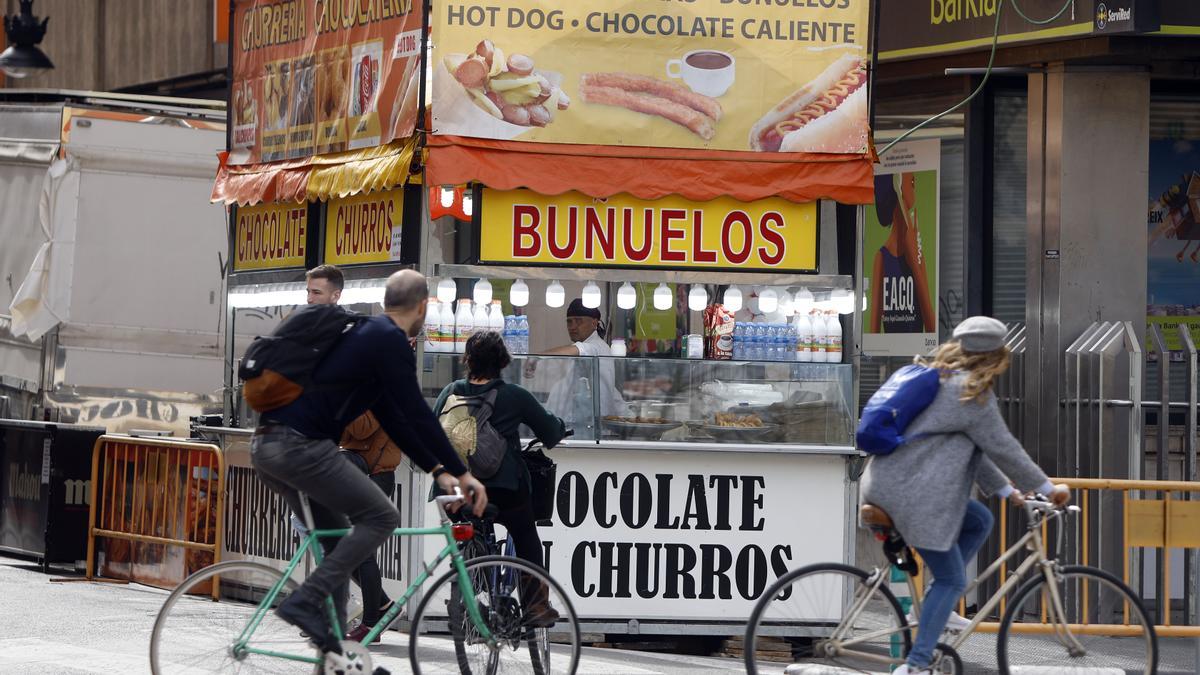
{"x": 295, "y": 449}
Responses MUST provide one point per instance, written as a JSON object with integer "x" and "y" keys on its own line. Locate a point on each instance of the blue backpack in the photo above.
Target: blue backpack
{"x": 891, "y": 409}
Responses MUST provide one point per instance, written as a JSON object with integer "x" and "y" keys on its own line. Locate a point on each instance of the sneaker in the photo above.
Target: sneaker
{"x": 957, "y": 623}
{"x": 906, "y": 669}
{"x": 306, "y": 616}
{"x": 360, "y": 632}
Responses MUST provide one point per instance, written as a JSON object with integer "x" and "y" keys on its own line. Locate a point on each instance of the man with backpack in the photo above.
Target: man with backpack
{"x": 361, "y": 364}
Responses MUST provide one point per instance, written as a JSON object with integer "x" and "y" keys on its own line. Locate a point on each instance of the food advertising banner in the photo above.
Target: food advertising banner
{"x": 527, "y": 228}
{"x": 270, "y": 236}
{"x": 318, "y": 76}
{"x": 900, "y": 247}
{"x": 364, "y": 229}
{"x": 1173, "y": 227}
{"x": 712, "y": 74}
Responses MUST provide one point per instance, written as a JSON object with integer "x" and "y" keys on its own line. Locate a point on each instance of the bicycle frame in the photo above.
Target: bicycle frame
{"x": 308, "y": 545}
{"x": 1038, "y": 558}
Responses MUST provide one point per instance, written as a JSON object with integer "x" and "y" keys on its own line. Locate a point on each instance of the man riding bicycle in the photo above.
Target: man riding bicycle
{"x": 295, "y": 449}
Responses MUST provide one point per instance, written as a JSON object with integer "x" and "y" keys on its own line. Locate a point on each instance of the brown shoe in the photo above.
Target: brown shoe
{"x": 360, "y": 633}
{"x": 541, "y": 615}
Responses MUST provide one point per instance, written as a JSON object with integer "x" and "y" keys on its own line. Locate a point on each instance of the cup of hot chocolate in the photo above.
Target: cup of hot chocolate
{"x": 704, "y": 71}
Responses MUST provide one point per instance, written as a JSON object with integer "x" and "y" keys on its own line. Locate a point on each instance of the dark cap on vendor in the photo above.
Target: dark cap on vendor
{"x": 586, "y": 332}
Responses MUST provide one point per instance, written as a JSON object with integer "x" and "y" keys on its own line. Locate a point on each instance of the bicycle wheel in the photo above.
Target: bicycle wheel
{"x": 445, "y": 640}
{"x": 194, "y": 635}
{"x": 825, "y": 615}
{"x": 1089, "y": 596}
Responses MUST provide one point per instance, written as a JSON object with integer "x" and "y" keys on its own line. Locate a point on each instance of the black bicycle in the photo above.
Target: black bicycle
{"x": 504, "y": 594}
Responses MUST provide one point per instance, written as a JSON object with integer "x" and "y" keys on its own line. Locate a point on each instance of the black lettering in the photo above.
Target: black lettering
{"x": 664, "y": 503}
{"x": 610, "y": 568}
{"x": 751, "y": 572}
{"x": 644, "y": 569}
{"x": 579, "y": 569}
{"x": 696, "y": 506}
{"x": 715, "y": 561}
{"x": 723, "y": 484}
{"x": 681, "y": 560}
{"x": 636, "y": 483}
{"x": 750, "y": 500}
{"x": 781, "y": 557}
{"x": 574, "y": 484}
{"x": 600, "y": 500}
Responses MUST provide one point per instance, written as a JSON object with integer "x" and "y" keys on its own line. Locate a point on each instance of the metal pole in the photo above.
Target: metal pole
{"x": 1164, "y": 393}
{"x": 1191, "y": 590}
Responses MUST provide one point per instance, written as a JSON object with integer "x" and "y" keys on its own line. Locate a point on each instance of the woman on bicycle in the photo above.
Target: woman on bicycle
{"x": 485, "y": 356}
{"x": 959, "y": 441}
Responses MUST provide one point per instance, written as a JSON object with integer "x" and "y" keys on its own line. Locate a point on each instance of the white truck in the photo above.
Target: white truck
{"x": 112, "y": 267}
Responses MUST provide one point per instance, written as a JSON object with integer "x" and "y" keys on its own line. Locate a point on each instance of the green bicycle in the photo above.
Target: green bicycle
{"x": 483, "y": 631}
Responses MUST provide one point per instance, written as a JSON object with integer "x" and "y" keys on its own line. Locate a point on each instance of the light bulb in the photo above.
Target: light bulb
{"x": 591, "y": 295}
{"x": 483, "y": 292}
{"x": 804, "y": 301}
{"x": 518, "y": 295}
{"x": 447, "y": 197}
{"x": 468, "y": 204}
{"x": 446, "y": 290}
{"x": 787, "y": 303}
{"x": 663, "y": 297}
{"x": 697, "y": 298}
{"x": 556, "y": 295}
{"x": 768, "y": 301}
{"x": 733, "y": 299}
{"x": 626, "y": 296}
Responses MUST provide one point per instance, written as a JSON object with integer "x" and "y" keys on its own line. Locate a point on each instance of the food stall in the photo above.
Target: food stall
{"x": 698, "y": 192}
{"x": 684, "y": 176}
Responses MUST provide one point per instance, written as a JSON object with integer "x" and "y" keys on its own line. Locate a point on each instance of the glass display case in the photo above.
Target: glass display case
{"x": 679, "y": 400}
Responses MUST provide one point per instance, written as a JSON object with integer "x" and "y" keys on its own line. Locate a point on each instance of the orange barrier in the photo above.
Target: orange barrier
{"x": 152, "y": 497}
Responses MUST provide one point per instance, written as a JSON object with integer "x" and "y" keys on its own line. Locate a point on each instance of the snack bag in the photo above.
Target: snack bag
{"x": 718, "y": 333}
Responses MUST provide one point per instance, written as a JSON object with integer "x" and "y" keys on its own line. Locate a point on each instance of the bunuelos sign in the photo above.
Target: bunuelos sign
{"x": 787, "y": 75}
{"x": 320, "y": 76}
{"x": 526, "y": 228}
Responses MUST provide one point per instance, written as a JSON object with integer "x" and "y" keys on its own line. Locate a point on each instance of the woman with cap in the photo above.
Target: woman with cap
{"x": 960, "y": 440}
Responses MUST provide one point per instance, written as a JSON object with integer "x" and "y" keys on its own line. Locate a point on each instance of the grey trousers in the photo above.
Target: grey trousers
{"x": 289, "y": 463}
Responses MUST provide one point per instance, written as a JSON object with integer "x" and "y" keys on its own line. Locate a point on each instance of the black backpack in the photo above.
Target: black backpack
{"x": 277, "y": 368}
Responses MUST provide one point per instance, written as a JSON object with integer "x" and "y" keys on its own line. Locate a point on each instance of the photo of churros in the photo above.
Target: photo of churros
{"x": 676, "y": 103}
{"x": 333, "y": 84}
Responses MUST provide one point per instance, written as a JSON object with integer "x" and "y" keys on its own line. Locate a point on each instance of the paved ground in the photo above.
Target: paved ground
{"x": 96, "y": 628}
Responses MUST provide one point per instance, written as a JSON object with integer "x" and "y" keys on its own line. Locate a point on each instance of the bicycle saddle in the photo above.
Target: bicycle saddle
{"x": 874, "y": 517}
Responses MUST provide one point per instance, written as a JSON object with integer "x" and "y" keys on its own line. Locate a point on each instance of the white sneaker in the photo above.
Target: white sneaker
{"x": 955, "y": 624}
{"x": 905, "y": 669}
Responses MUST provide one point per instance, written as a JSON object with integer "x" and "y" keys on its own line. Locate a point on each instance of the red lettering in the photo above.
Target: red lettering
{"x": 599, "y": 232}
{"x": 567, "y": 250}
{"x": 637, "y": 254}
{"x": 385, "y": 236}
{"x": 343, "y": 226}
{"x": 670, "y": 233}
{"x": 699, "y": 253}
{"x": 285, "y": 248}
{"x": 302, "y": 232}
{"x": 526, "y": 219}
{"x": 245, "y": 242}
{"x": 768, "y": 229}
{"x": 736, "y": 218}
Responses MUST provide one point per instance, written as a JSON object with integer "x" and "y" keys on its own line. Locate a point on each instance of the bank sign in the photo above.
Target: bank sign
{"x": 638, "y": 534}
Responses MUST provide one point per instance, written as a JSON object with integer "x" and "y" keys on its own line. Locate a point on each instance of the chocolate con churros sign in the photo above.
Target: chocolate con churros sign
{"x": 319, "y": 76}
{"x": 753, "y": 75}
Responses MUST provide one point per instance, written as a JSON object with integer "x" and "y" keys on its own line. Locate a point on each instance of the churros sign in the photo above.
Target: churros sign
{"x": 320, "y": 76}
{"x": 754, "y": 75}
{"x": 364, "y": 228}
{"x": 524, "y": 227}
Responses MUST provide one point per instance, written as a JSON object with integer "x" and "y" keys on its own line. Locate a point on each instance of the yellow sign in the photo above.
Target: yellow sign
{"x": 755, "y": 75}
{"x": 270, "y": 236}
{"x": 364, "y": 228}
{"x": 524, "y": 227}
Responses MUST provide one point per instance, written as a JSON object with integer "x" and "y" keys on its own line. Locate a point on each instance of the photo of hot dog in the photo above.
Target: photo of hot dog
{"x": 829, "y": 114}
{"x": 650, "y": 96}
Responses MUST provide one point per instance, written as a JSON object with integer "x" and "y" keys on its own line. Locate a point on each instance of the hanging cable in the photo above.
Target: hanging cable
{"x": 1070, "y": 4}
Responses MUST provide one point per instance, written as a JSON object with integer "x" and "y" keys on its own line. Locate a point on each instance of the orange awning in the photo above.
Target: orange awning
{"x": 649, "y": 173}
{"x": 315, "y": 178}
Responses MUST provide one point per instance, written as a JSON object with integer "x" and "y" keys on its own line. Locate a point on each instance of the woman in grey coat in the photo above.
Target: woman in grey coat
{"x": 925, "y": 485}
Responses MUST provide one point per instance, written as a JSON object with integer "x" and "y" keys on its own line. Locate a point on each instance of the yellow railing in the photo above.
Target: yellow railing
{"x": 158, "y": 492}
{"x": 1146, "y": 523}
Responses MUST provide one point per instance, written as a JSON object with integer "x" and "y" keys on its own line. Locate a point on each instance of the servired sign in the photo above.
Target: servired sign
{"x": 527, "y": 228}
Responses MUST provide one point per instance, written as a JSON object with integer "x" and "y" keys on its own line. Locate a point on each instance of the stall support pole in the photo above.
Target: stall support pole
{"x": 414, "y": 549}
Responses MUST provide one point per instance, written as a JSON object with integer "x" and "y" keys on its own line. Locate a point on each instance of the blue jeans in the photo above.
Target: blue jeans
{"x": 949, "y": 581}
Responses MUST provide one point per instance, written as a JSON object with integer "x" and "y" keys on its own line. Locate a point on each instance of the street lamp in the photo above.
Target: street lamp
{"x": 24, "y": 32}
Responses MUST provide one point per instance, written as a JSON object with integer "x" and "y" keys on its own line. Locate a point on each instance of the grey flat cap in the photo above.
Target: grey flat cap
{"x": 980, "y": 334}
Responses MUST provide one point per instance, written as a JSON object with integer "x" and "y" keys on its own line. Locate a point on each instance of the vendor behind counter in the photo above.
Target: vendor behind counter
{"x": 569, "y": 397}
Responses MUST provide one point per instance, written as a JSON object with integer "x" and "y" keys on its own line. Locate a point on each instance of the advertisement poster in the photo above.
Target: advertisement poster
{"x": 900, "y": 252}
{"x": 726, "y": 75}
{"x": 1173, "y": 286}
{"x": 524, "y": 227}
{"x": 314, "y": 76}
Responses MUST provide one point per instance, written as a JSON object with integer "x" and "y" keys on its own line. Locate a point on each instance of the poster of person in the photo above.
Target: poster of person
{"x": 900, "y": 245}
{"x": 1173, "y": 238}
{"x": 757, "y": 77}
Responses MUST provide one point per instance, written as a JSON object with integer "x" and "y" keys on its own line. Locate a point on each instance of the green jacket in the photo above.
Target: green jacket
{"x": 514, "y": 406}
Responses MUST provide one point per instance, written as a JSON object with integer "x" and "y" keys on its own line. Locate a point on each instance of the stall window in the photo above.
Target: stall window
{"x": 1008, "y": 274}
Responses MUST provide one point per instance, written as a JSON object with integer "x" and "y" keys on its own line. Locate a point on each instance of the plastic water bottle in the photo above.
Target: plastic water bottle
{"x": 522, "y": 334}
{"x": 781, "y": 342}
{"x": 754, "y": 342}
{"x": 509, "y": 320}
{"x": 739, "y": 342}
{"x": 793, "y": 338}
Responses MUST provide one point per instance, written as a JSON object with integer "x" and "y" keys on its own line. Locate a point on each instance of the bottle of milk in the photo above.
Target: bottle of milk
{"x": 433, "y": 326}
{"x": 833, "y": 343}
{"x": 496, "y": 317}
{"x": 481, "y": 319}
{"x": 804, "y": 338}
{"x": 464, "y": 325}
{"x": 819, "y": 343}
